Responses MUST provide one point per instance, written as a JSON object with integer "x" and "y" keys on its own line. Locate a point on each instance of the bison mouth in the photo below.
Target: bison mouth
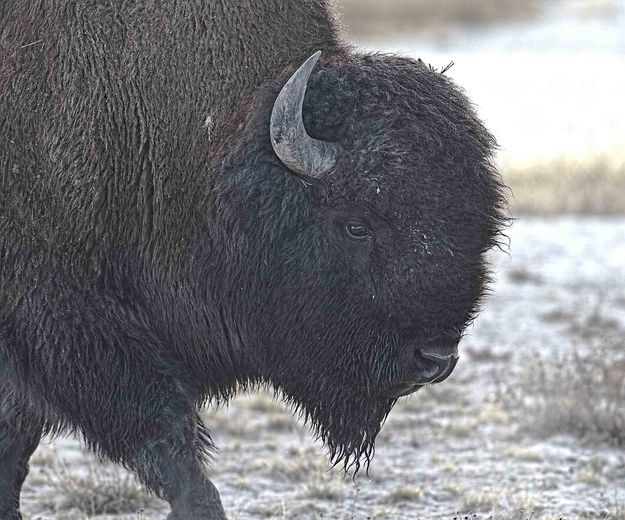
{"x": 401, "y": 389}
{"x": 439, "y": 369}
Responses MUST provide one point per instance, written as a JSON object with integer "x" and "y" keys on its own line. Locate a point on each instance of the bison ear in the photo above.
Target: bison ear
{"x": 302, "y": 154}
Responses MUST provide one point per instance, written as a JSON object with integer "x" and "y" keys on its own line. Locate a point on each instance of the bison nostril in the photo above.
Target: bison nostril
{"x": 428, "y": 368}
{"x": 418, "y": 355}
{"x": 434, "y": 366}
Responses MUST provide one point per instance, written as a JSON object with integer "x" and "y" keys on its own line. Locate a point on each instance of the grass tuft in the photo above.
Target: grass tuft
{"x": 560, "y": 187}
{"x": 483, "y": 501}
{"x": 581, "y": 393}
{"x": 406, "y": 493}
{"x": 103, "y": 489}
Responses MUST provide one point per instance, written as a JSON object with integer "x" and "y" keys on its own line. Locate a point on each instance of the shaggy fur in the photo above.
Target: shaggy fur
{"x": 156, "y": 254}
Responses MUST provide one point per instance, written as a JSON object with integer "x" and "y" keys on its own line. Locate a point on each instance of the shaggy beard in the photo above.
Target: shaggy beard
{"x": 347, "y": 421}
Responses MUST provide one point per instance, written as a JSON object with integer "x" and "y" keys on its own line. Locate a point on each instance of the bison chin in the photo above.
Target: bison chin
{"x": 346, "y": 419}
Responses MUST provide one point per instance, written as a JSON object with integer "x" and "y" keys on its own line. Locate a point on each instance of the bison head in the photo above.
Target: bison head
{"x": 357, "y": 204}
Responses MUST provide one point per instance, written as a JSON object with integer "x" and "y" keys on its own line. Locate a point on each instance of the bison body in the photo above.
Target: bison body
{"x": 176, "y": 226}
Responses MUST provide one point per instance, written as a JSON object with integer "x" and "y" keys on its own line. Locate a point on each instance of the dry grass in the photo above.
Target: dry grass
{"x": 527, "y": 504}
{"x": 483, "y": 501}
{"x": 582, "y": 393}
{"x": 615, "y": 513}
{"x": 103, "y": 489}
{"x": 276, "y": 510}
{"x": 372, "y": 18}
{"x": 597, "y": 188}
{"x": 405, "y": 493}
{"x": 592, "y": 472}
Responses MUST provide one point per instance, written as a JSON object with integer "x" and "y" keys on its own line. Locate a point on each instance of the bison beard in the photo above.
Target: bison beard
{"x": 346, "y": 423}
{"x": 339, "y": 396}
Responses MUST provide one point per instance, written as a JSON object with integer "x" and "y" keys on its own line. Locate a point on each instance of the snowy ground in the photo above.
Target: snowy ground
{"x": 456, "y": 450}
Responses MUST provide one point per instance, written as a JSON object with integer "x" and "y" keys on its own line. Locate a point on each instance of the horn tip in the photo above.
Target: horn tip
{"x": 313, "y": 59}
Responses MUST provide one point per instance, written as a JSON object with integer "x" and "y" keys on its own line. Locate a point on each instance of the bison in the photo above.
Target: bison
{"x": 195, "y": 202}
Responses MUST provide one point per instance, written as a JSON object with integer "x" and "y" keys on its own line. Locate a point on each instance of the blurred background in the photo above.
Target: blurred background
{"x": 547, "y": 77}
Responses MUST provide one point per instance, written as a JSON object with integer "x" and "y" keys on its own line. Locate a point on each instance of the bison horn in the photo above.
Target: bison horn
{"x": 298, "y": 151}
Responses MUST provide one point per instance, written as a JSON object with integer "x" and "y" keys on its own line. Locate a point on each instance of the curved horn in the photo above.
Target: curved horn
{"x": 298, "y": 151}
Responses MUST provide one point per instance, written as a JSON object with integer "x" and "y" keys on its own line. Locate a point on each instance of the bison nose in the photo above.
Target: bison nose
{"x": 423, "y": 363}
{"x": 433, "y": 366}
{"x": 431, "y": 362}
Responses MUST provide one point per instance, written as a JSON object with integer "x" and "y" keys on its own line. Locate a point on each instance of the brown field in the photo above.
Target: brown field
{"x": 566, "y": 187}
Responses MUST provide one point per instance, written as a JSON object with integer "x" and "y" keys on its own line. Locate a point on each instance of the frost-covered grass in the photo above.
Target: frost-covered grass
{"x": 96, "y": 489}
{"x": 583, "y": 392}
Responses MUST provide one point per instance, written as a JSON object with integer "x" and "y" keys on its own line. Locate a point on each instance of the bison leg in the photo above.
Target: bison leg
{"x": 17, "y": 444}
{"x": 172, "y": 466}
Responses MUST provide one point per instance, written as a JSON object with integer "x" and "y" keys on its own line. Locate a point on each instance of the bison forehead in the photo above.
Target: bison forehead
{"x": 413, "y": 147}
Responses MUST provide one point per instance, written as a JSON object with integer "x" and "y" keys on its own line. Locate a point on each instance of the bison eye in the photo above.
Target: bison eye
{"x": 357, "y": 231}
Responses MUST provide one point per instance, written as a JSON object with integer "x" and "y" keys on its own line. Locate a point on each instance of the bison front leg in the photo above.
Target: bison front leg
{"x": 18, "y": 441}
{"x": 172, "y": 466}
